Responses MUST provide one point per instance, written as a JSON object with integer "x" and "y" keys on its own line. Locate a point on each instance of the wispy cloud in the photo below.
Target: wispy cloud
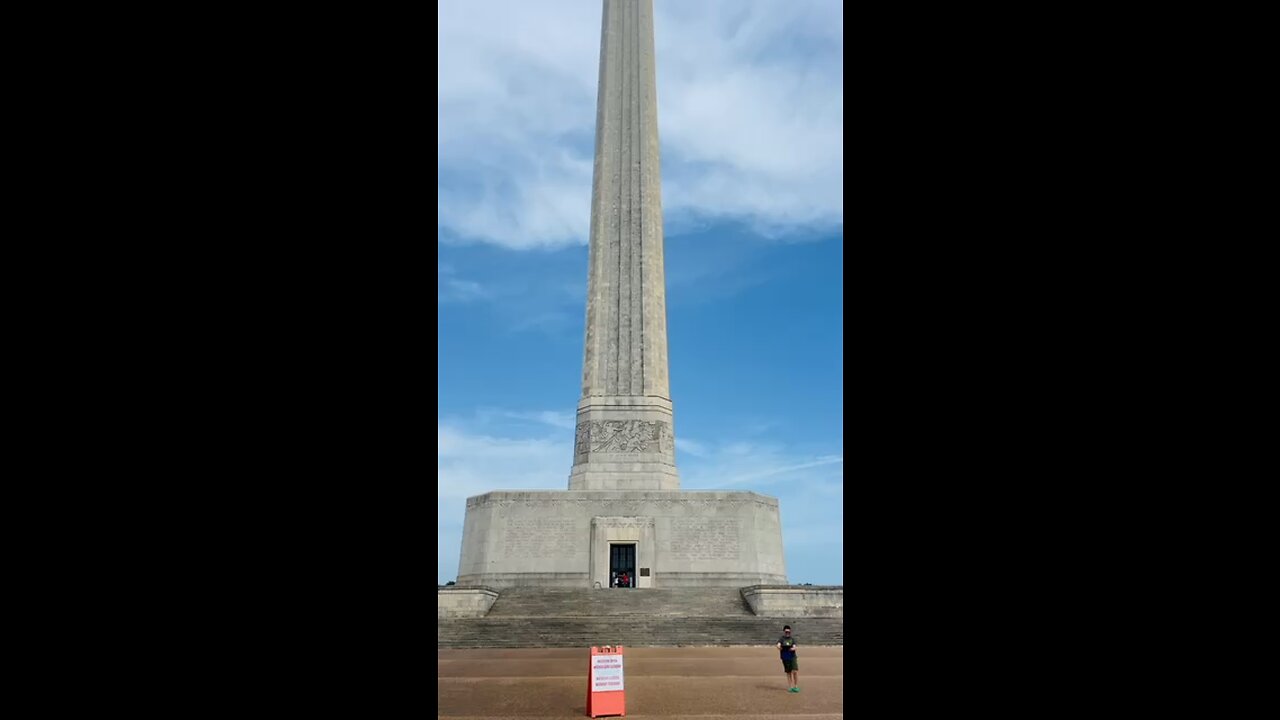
{"x": 456, "y": 289}
{"x": 558, "y": 419}
{"x": 739, "y": 464}
{"x": 554, "y": 323}
{"x": 470, "y": 463}
{"x": 691, "y": 447}
{"x": 751, "y": 112}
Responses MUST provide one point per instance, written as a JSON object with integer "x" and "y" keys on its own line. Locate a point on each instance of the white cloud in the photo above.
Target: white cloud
{"x": 691, "y": 447}
{"x": 750, "y": 102}
{"x": 471, "y": 463}
{"x": 744, "y": 465}
{"x": 565, "y": 420}
{"x": 455, "y": 289}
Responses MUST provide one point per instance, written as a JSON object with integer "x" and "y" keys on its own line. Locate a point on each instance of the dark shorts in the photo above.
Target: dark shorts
{"x": 789, "y": 665}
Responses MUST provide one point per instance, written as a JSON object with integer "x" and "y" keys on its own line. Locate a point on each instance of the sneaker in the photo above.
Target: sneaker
{"x": 793, "y": 689}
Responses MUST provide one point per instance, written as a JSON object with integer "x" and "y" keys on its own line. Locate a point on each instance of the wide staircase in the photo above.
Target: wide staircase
{"x": 650, "y": 617}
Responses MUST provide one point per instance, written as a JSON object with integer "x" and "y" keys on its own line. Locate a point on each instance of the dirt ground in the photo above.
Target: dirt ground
{"x": 702, "y": 683}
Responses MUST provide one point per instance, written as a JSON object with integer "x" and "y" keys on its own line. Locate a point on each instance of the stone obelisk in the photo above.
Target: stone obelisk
{"x": 625, "y": 438}
{"x": 624, "y": 511}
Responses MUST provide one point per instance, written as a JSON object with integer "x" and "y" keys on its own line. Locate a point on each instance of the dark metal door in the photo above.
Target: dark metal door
{"x": 622, "y": 559}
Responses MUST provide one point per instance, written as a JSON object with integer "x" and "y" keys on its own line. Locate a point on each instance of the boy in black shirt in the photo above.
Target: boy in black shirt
{"x": 787, "y": 646}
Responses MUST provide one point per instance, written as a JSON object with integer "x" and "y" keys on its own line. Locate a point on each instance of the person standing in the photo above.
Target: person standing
{"x": 791, "y": 666}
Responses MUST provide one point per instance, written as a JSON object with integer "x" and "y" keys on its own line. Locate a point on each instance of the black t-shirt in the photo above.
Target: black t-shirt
{"x": 788, "y": 646}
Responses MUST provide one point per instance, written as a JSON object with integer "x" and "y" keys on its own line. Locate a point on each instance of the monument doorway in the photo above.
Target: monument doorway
{"x": 622, "y": 559}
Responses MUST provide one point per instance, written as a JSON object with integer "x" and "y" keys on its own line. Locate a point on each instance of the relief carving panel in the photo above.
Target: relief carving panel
{"x": 622, "y": 436}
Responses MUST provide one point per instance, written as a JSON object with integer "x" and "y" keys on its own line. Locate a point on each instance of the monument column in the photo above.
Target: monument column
{"x": 625, "y": 438}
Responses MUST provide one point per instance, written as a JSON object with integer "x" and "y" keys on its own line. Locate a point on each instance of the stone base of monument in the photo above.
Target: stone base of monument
{"x": 577, "y": 539}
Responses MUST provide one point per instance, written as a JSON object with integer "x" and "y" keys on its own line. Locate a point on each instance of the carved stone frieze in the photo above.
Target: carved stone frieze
{"x": 622, "y": 436}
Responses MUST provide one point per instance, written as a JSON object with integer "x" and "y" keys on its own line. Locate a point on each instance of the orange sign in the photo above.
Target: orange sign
{"x": 605, "y": 687}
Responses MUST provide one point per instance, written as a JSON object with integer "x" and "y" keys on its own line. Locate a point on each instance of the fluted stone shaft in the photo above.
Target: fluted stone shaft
{"x": 625, "y": 438}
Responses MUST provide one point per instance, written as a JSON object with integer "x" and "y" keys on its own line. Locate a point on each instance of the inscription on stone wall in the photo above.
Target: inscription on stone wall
{"x": 702, "y": 539}
{"x": 622, "y": 436}
{"x": 541, "y": 538}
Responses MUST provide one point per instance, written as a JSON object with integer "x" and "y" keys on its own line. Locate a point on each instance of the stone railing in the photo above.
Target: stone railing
{"x": 794, "y": 601}
{"x": 464, "y": 602}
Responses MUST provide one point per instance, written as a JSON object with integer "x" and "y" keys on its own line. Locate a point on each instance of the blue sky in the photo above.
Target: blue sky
{"x": 750, "y": 114}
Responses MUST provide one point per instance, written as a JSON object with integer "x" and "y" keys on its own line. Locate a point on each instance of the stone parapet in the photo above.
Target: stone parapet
{"x": 794, "y": 601}
{"x": 464, "y": 602}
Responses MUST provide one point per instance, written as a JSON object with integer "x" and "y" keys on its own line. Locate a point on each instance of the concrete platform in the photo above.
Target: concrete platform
{"x": 695, "y": 682}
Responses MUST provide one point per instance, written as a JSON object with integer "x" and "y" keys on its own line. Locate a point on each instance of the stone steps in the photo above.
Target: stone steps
{"x": 614, "y": 602}
{"x": 651, "y": 617}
